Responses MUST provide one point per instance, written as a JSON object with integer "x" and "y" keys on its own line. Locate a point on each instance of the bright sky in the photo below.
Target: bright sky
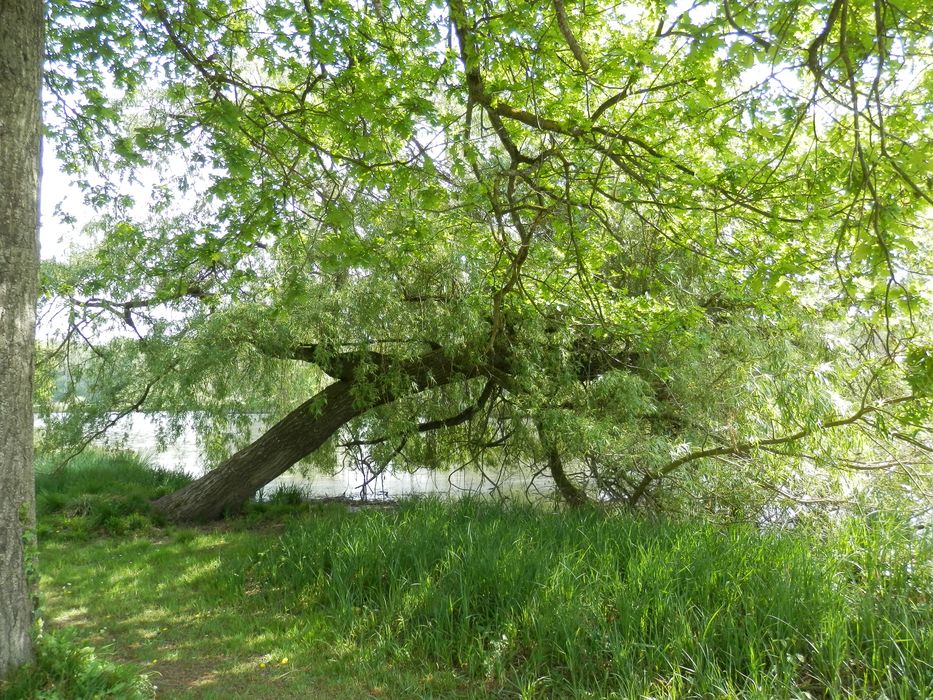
{"x": 56, "y": 238}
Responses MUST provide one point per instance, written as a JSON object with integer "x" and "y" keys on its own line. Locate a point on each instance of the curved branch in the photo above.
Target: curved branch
{"x": 465, "y": 415}
{"x": 570, "y": 492}
{"x": 346, "y": 366}
{"x": 564, "y": 24}
{"x": 476, "y": 87}
{"x": 763, "y": 43}
{"x": 450, "y": 422}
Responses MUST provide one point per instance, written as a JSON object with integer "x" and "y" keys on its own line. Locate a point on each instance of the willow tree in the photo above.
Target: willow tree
{"x": 671, "y": 254}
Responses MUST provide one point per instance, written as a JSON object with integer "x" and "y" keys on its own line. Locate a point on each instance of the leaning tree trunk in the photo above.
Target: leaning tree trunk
{"x": 301, "y": 432}
{"x": 21, "y": 27}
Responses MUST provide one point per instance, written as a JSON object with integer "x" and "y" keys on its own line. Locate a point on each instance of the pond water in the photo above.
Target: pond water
{"x": 140, "y": 432}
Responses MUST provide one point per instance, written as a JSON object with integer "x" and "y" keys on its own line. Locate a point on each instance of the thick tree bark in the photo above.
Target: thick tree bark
{"x": 301, "y": 432}
{"x": 21, "y": 45}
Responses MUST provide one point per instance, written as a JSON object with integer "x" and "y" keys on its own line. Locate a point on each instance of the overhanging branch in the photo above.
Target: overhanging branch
{"x": 450, "y": 422}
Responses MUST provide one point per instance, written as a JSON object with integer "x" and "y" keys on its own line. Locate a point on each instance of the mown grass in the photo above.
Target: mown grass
{"x": 479, "y": 600}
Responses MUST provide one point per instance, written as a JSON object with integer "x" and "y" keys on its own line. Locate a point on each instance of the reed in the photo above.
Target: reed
{"x": 585, "y": 604}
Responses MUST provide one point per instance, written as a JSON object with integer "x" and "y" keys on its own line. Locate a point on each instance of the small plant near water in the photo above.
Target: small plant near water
{"x": 101, "y": 492}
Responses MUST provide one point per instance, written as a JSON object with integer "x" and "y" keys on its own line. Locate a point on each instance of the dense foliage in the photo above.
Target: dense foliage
{"x": 674, "y": 253}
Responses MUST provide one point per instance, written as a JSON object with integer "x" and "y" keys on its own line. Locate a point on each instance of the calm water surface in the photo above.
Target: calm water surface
{"x": 140, "y": 433}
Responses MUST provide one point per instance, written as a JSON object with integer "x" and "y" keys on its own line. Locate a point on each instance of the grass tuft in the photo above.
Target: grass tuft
{"x": 101, "y": 492}
{"x": 65, "y": 669}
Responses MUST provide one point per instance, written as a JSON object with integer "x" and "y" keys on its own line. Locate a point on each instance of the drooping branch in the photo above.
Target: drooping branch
{"x": 114, "y": 418}
{"x": 749, "y": 445}
{"x": 928, "y": 449}
{"x": 440, "y": 423}
{"x": 570, "y": 492}
{"x": 123, "y": 310}
{"x": 464, "y": 415}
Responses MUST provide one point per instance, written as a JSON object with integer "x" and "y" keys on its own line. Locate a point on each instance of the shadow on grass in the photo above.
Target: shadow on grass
{"x": 174, "y": 606}
{"x": 477, "y": 600}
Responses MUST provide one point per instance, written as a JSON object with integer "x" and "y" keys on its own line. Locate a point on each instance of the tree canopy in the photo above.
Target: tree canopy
{"x": 674, "y": 254}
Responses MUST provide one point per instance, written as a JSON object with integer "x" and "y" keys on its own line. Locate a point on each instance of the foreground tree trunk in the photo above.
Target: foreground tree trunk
{"x": 21, "y": 43}
{"x": 301, "y": 432}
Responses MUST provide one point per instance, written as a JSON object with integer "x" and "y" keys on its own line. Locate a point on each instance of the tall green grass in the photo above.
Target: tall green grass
{"x": 526, "y": 602}
{"x": 587, "y": 604}
{"x": 97, "y": 490}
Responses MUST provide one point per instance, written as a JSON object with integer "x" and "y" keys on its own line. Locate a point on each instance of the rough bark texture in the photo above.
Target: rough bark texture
{"x": 227, "y": 487}
{"x": 21, "y": 42}
{"x": 302, "y": 431}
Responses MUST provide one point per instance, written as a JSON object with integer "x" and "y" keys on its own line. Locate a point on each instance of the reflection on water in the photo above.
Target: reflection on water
{"x": 140, "y": 433}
